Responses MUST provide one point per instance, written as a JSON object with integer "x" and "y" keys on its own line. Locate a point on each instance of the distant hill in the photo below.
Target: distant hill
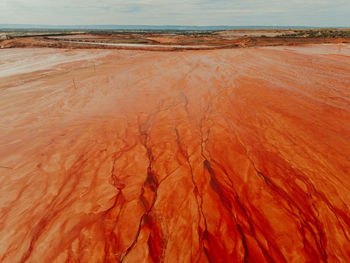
{"x": 142, "y": 27}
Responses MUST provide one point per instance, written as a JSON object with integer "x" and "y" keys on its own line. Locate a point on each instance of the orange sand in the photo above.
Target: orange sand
{"x": 199, "y": 156}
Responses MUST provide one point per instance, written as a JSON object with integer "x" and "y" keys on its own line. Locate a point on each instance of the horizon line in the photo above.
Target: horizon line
{"x": 167, "y": 25}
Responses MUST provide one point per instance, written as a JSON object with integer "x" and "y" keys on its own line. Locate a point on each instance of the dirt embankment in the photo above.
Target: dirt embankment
{"x": 162, "y": 42}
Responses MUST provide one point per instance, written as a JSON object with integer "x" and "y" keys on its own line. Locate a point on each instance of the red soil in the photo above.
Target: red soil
{"x": 203, "y": 156}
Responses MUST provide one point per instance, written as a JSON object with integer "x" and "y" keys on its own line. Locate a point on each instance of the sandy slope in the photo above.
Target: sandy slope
{"x": 223, "y": 156}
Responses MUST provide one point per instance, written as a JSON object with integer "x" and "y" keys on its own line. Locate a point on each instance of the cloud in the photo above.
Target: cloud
{"x": 180, "y": 12}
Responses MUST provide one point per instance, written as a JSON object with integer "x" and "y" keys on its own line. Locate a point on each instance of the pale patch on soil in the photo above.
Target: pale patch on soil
{"x": 19, "y": 61}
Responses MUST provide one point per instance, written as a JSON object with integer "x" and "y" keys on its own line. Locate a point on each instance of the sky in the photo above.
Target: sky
{"x": 180, "y": 12}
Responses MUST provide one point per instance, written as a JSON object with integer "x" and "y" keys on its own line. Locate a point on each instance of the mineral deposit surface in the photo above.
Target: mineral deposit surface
{"x": 236, "y": 155}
